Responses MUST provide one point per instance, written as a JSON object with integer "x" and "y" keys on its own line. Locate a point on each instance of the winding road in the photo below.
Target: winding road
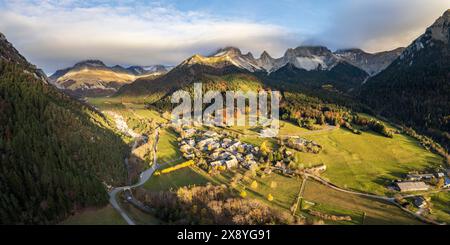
{"x": 143, "y": 177}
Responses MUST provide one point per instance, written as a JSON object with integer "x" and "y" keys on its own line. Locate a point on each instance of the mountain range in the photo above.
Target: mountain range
{"x": 94, "y": 78}
{"x": 312, "y": 65}
{"x": 303, "y": 57}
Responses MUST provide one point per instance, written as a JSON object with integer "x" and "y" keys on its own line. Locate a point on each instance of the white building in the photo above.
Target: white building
{"x": 233, "y": 162}
{"x": 210, "y": 134}
{"x": 215, "y": 163}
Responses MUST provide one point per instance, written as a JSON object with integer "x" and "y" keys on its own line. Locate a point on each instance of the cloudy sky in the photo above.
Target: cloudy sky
{"x": 55, "y": 34}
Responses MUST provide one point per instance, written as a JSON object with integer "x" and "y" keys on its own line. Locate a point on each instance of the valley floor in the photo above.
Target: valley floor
{"x": 365, "y": 163}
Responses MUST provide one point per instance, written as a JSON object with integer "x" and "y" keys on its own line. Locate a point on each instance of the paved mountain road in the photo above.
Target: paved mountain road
{"x": 143, "y": 177}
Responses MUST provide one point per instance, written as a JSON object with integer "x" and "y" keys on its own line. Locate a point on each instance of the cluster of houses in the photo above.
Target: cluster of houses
{"x": 303, "y": 145}
{"x": 217, "y": 149}
{"x": 419, "y": 181}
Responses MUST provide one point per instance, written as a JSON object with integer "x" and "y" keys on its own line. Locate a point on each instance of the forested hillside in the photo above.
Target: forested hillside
{"x": 56, "y": 154}
{"x": 415, "y": 88}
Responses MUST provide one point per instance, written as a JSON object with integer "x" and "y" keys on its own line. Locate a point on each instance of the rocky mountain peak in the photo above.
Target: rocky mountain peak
{"x": 435, "y": 35}
{"x": 441, "y": 28}
{"x": 372, "y": 63}
{"x": 249, "y": 55}
{"x": 10, "y": 54}
{"x": 90, "y": 63}
{"x": 2, "y": 37}
{"x": 265, "y": 55}
{"x": 350, "y": 50}
{"x": 230, "y": 51}
{"x": 306, "y": 51}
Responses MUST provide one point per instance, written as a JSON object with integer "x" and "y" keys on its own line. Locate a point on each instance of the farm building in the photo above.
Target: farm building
{"x": 412, "y": 186}
{"x": 420, "y": 202}
{"x": 416, "y": 177}
{"x": 318, "y": 168}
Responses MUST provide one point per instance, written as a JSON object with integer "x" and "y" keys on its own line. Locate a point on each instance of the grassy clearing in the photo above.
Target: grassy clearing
{"x": 376, "y": 212}
{"x": 367, "y": 162}
{"x": 283, "y": 189}
{"x": 126, "y": 109}
{"x": 288, "y": 128}
{"x": 284, "y": 194}
{"x": 106, "y": 103}
{"x": 357, "y": 217}
{"x": 103, "y": 216}
{"x": 168, "y": 149}
{"x": 440, "y": 207}
{"x": 175, "y": 180}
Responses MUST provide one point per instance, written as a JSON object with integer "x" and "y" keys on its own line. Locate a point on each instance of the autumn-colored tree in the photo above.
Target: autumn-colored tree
{"x": 440, "y": 183}
{"x": 254, "y": 184}
{"x": 265, "y": 149}
{"x": 243, "y": 194}
{"x": 270, "y": 197}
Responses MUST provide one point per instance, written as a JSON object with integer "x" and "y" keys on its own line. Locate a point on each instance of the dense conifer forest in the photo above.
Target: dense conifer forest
{"x": 57, "y": 155}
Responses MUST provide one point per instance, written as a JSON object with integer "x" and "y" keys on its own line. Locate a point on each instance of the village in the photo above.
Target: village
{"x": 222, "y": 151}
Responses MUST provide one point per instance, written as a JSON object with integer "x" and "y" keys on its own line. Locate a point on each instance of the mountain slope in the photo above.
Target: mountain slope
{"x": 152, "y": 90}
{"x": 415, "y": 88}
{"x": 342, "y": 76}
{"x": 370, "y": 63}
{"x": 94, "y": 78}
{"x": 56, "y": 153}
{"x": 229, "y": 56}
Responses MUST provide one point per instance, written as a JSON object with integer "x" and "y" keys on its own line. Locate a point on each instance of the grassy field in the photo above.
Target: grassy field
{"x": 357, "y": 216}
{"x": 176, "y": 179}
{"x": 284, "y": 194}
{"x": 376, "y": 212}
{"x": 168, "y": 150}
{"x": 126, "y": 109}
{"x": 440, "y": 207}
{"x": 367, "y": 162}
{"x": 103, "y": 216}
{"x": 283, "y": 189}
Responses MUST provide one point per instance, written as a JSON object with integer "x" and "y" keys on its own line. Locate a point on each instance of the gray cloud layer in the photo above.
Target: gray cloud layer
{"x": 53, "y": 35}
{"x": 382, "y": 24}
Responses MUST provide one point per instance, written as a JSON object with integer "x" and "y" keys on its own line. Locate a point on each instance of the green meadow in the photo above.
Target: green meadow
{"x": 367, "y": 162}
{"x": 103, "y": 216}
{"x": 440, "y": 206}
{"x": 363, "y": 210}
